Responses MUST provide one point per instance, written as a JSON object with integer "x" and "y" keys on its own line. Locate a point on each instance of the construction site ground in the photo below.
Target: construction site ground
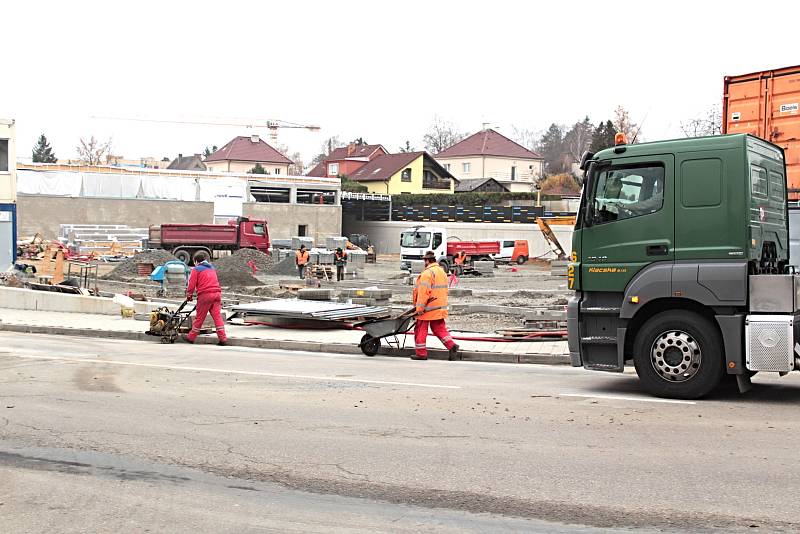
{"x": 516, "y": 291}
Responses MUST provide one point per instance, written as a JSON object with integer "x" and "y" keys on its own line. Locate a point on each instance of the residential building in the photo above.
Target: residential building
{"x": 188, "y": 163}
{"x": 8, "y": 193}
{"x": 480, "y": 185}
{"x": 489, "y": 154}
{"x": 407, "y": 172}
{"x": 346, "y": 160}
{"x": 243, "y": 152}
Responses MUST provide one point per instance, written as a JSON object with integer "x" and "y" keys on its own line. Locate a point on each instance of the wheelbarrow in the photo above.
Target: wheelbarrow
{"x": 393, "y": 330}
{"x": 166, "y": 324}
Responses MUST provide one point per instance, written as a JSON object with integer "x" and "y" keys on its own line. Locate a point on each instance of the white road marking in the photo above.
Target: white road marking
{"x": 237, "y": 372}
{"x": 624, "y": 398}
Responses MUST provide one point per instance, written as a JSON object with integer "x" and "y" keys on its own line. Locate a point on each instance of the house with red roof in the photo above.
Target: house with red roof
{"x": 243, "y": 152}
{"x": 490, "y": 154}
{"x": 346, "y": 160}
{"x": 406, "y": 172}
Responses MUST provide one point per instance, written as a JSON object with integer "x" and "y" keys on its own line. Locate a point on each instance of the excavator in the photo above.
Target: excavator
{"x": 551, "y": 238}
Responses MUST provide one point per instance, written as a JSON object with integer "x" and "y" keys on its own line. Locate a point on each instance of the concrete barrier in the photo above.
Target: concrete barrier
{"x": 28, "y": 299}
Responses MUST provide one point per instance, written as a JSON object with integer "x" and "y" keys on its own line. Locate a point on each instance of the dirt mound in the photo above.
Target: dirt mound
{"x": 128, "y": 269}
{"x": 241, "y": 258}
{"x": 286, "y": 267}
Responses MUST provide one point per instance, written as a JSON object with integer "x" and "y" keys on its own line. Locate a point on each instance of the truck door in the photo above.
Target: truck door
{"x": 630, "y": 221}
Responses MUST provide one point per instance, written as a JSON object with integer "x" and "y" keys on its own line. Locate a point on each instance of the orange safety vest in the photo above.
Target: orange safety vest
{"x": 301, "y": 257}
{"x": 430, "y": 293}
{"x": 459, "y": 259}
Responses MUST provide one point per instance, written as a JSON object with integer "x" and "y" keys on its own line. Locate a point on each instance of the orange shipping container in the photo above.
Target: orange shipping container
{"x": 767, "y": 104}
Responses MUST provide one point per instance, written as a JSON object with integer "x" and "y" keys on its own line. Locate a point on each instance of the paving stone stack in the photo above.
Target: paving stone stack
{"x": 297, "y": 241}
{"x": 332, "y": 243}
{"x": 417, "y": 266}
{"x": 315, "y": 294}
{"x": 367, "y": 297}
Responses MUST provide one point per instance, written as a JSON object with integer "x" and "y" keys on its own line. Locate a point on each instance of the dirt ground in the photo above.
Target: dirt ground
{"x": 519, "y": 287}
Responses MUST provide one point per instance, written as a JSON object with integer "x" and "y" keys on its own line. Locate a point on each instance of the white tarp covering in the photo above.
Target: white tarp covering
{"x": 211, "y": 188}
{"x": 169, "y": 187}
{"x": 111, "y": 185}
{"x": 49, "y": 183}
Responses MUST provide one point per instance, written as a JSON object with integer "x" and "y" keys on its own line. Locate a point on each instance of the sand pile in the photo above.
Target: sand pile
{"x": 284, "y": 267}
{"x": 128, "y": 269}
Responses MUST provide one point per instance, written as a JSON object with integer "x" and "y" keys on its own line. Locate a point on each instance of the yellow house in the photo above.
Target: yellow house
{"x": 407, "y": 172}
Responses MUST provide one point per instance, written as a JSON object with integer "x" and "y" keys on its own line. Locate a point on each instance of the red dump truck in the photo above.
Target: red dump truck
{"x": 193, "y": 243}
{"x": 415, "y": 241}
{"x": 767, "y": 104}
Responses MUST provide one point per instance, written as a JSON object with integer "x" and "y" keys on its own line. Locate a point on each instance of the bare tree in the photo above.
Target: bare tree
{"x": 527, "y": 138}
{"x": 296, "y": 168}
{"x": 578, "y": 139}
{"x": 441, "y": 135}
{"x": 623, "y": 123}
{"x": 709, "y": 123}
{"x": 93, "y": 152}
{"x": 330, "y": 144}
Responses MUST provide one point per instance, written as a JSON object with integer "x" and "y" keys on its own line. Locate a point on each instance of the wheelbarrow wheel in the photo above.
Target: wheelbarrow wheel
{"x": 370, "y": 345}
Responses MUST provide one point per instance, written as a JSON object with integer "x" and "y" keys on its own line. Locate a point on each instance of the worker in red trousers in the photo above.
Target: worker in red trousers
{"x": 430, "y": 302}
{"x": 209, "y": 299}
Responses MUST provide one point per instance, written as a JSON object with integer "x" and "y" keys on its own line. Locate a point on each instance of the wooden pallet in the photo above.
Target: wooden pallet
{"x": 321, "y": 272}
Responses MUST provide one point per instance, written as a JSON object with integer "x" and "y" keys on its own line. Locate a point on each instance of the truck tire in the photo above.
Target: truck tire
{"x": 182, "y": 255}
{"x": 443, "y": 264}
{"x": 521, "y": 260}
{"x": 678, "y": 354}
{"x": 200, "y": 256}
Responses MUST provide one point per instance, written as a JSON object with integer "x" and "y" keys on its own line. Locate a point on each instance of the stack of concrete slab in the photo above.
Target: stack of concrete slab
{"x": 356, "y": 259}
{"x": 332, "y": 243}
{"x": 297, "y": 241}
{"x": 366, "y": 297}
{"x": 88, "y": 238}
{"x": 558, "y": 268}
{"x": 486, "y": 268}
{"x": 315, "y": 294}
{"x": 325, "y": 256}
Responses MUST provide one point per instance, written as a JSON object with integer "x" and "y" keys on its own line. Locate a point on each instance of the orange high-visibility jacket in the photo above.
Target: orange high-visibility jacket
{"x": 430, "y": 293}
{"x": 301, "y": 258}
{"x": 459, "y": 258}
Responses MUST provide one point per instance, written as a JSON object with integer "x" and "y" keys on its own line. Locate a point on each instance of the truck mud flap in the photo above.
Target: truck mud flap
{"x": 604, "y": 353}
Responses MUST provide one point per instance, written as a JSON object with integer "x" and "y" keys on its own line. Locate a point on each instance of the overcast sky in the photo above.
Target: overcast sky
{"x": 380, "y": 70}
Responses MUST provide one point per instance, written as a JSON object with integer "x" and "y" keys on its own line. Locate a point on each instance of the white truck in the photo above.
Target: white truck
{"x": 416, "y": 241}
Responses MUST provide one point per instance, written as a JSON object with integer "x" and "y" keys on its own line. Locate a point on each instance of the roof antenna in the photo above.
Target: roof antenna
{"x": 639, "y": 129}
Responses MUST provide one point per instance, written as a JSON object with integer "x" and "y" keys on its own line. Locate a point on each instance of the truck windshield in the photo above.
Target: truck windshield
{"x": 415, "y": 239}
{"x": 623, "y": 193}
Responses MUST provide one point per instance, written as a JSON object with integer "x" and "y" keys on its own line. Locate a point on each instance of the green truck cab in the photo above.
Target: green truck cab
{"x": 678, "y": 251}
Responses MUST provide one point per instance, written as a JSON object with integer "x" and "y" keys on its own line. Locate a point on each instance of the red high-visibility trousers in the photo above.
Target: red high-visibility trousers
{"x": 439, "y": 330}
{"x": 208, "y": 302}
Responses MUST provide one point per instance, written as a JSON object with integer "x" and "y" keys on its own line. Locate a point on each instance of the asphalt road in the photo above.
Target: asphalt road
{"x": 104, "y": 435}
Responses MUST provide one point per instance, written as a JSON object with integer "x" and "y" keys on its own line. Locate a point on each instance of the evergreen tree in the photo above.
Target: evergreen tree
{"x": 551, "y": 147}
{"x": 42, "y": 153}
{"x": 257, "y": 169}
{"x": 603, "y": 136}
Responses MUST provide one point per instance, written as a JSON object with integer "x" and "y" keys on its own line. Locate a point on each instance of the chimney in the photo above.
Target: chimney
{"x": 351, "y": 148}
{"x": 254, "y": 138}
{"x": 180, "y": 157}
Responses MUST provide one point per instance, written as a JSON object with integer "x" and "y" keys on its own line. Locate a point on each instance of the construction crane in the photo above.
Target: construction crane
{"x": 271, "y": 124}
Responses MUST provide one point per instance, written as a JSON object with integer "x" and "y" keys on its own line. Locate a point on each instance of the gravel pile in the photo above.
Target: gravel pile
{"x": 285, "y": 266}
{"x": 240, "y": 258}
{"x": 128, "y": 269}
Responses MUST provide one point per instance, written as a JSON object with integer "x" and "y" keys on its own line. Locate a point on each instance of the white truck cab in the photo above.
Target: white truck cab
{"x": 416, "y": 241}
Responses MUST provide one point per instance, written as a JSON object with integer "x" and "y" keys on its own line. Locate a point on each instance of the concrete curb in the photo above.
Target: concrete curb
{"x": 309, "y": 346}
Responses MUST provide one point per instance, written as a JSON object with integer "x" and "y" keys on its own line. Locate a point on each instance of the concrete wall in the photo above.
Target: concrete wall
{"x": 44, "y": 214}
{"x": 385, "y": 236}
{"x": 283, "y": 219}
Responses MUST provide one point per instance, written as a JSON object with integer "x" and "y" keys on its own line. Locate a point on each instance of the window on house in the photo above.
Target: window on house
{"x": 277, "y": 170}
{"x": 447, "y": 166}
{"x": 406, "y": 175}
{"x": 3, "y": 155}
{"x": 333, "y": 168}
{"x": 513, "y": 172}
{"x": 465, "y": 167}
{"x": 301, "y": 230}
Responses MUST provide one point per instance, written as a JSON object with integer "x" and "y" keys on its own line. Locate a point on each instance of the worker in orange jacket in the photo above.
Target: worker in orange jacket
{"x": 430, "y": 302}
{"x": 460, "y": 258}
{"x": 301, "y": 260}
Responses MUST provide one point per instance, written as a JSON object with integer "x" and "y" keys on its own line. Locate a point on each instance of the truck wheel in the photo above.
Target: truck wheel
{"x": 370, "y": 345}
{"x": 200, "y": 256}
{"x": 521, "y": 260}
{"x": 443, "y": 264}
{"x": 183, "y": 255}
{"x": 678, "y": 354}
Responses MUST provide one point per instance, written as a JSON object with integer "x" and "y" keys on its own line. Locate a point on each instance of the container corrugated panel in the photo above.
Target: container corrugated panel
{"x": 767, "y": 104}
